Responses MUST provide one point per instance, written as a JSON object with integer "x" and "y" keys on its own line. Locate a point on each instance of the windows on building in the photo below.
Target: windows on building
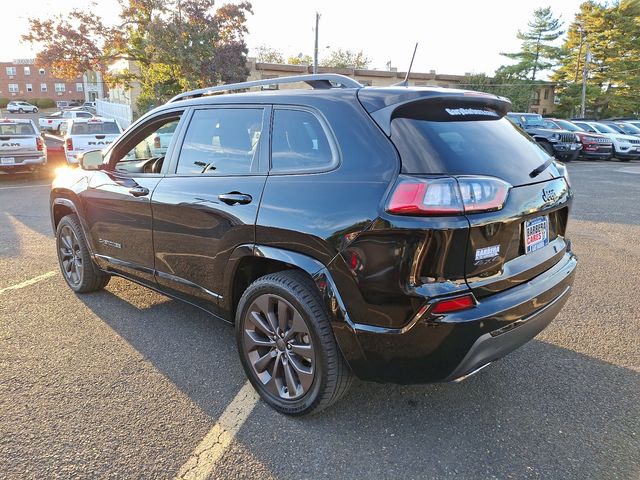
{"x": 11, "y": 71}
{"x": 546, "y": 94}
{"x": 13, "y": 88}
{"x": 79, "y": 87}
{"x": 43, "y": 87}
{"x": 60, "y": 87}
{"x": 27, "y": 70}
{"x": 29, "y": 87}
{"x": 41, "y": 71}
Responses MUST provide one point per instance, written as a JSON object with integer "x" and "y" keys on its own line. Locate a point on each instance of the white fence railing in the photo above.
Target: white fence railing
{"x": 119, "y": 111}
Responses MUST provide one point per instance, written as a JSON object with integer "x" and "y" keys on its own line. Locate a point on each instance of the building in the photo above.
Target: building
{"x": 542, "y": 102}
{"x": 125, "y": 94}
{"x": 25, "y": 80}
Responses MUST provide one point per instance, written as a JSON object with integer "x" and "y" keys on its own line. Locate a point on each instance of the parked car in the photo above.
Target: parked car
{"x": 66, "y": 104}
{"x": 89, "y": 107}
{"x": 399, "y": 234}
{"x": 21, "y": 107}
{"x": 83, "y": 134}
{"x": 562, "y": 144}
{"x": 594, "y": 145}
{"x": 21, "y": 146}
{"x": 625, "y": 147}
{"x": 623, "y": 127}
{"x": 52, "y": 122}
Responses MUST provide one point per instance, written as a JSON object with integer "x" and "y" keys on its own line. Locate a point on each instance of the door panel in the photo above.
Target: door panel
{"x": 209, "y": 207}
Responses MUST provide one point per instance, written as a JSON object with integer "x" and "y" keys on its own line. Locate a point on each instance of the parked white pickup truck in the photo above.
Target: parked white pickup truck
{"x": 21, "y": 146}
{"x": 52, "y": 122}
{"x": 83, "y": 134}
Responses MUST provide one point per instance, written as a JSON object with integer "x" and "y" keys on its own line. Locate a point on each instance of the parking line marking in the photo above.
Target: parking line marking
{"x": 215, "y": 443}
{"x": 26, "y": 186}
{"x": 26, "y": 283}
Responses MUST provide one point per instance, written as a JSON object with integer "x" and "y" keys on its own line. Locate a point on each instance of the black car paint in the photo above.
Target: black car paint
{"x": 377, "y": 273}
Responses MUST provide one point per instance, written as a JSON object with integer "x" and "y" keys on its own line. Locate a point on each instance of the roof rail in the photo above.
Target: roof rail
{"x": 320, "y": 81}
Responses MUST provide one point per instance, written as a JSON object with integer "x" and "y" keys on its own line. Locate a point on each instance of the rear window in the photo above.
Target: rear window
{"x": 492, "y": 147}
{"x": 16, "y": 129}
{"x": 94, "y": 128}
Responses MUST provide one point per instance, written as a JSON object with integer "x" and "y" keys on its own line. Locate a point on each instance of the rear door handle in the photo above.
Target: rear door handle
{"x": 139, "y": 191}
{"x": 234, "y": 198}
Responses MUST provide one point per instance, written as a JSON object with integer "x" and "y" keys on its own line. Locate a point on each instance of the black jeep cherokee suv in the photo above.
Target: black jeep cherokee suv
{"x": 399, "y": 234}
{"x": 563, "y": 144}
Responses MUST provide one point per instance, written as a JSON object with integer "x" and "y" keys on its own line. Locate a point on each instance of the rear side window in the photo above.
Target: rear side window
{"x": 16, "y": 129}
{"x": 95, "y": 128}
{"x": 299, "y": 143}
{"x": 491, "y": 147}
{"x": 222, "y": 141}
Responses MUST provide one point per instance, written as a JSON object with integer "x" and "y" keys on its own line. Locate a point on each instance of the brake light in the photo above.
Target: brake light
{"x": 454, "y": 304}
{"x": 447, "y": 196}
{"x": 156, "y": 142}
{"x": 69, "y": 144}
{"x": 40, "y": 144}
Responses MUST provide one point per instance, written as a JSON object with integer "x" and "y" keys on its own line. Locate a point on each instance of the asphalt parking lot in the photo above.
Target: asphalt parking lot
{"x": 126, "y": 383}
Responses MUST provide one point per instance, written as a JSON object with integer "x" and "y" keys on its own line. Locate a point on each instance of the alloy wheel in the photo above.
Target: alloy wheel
{"x": 279, "y": 347}
{"x": 70, "y": 256}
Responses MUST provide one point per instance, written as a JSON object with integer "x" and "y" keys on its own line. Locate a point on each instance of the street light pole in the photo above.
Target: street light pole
{"x": 315, "y": 49}
{"x": 585, "y": 72}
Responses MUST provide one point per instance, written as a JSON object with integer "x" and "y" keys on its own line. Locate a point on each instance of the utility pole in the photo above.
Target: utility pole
{"x": 585, "y": 72}
{"x": 315, "y": 48}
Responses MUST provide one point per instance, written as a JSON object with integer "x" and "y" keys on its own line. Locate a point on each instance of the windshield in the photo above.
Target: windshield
{"x": 95, "y": 128}
{"x": 532, "y": 120}
{"x": 603, "y": 128}
{"x": 16, "y": 129}
{"x": 628, "y": 128}
{"x": 569, "y": 126}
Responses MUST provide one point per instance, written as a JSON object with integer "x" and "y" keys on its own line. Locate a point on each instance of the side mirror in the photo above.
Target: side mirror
{"x": 91, "y": 160}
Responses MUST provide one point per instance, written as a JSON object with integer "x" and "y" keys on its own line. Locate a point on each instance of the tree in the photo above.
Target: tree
{"x": 268, "y": 55}
{"x": 177, "y": 44}
{"x": 346, "y": 59}
{"x": 536, "y": 53}
{"x": 611, "y": 33}
{"x": 300, "y": 59}
{"x": 517, "y": 90}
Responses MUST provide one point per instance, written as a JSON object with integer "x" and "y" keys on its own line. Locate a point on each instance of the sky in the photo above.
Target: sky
{"x": 454, "y": 36}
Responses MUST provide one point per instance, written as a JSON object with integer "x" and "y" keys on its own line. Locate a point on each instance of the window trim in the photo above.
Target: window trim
{"x": 264, "y": 150}
{"x": 131, "y": 132}
{"x": 336, "y": 154}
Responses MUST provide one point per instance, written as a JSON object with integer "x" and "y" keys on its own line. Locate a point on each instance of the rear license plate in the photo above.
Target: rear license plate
{"x": 536, "y": 233}
{"x": 7, "y": 160}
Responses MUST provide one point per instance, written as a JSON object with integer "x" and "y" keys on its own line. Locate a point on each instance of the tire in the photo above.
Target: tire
{"x": 268, "y": 349}
{"x": 547, "y": 147}
{"x": 78, "y": 269}
{"x": 35, "y": 110}
{"x": 20, "y": 110}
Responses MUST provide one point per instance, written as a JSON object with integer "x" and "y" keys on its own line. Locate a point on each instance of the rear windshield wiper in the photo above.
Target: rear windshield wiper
{"x": 538, "y": 170}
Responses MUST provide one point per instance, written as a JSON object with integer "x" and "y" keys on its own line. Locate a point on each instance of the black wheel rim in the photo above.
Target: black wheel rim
{"x": 70, "y": 257}
{"x": 279, "y": 347}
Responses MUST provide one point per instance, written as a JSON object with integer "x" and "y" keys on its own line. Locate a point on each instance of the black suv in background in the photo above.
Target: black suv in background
{"x": 399, "y": 234}
{"x": 562, "y": 144}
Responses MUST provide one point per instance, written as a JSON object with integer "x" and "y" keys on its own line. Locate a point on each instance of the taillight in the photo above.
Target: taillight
{"x": 447, "y": 196}
{"x": 453, "y": 304}
{"x": 156, "y": 142}
{"x": 40, "y": 144}
{"x": 69, "y": 143}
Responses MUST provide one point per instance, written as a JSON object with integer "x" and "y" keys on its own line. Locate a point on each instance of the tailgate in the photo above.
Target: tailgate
{"x": 17, "y": 145}
{"x": 519, "y": 242}
{"x": 92, "y": 142}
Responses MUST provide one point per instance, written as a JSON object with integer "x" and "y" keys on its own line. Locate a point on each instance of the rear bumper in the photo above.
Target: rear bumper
{"x": 444, "y": 348}
{"x": 22, "y": 163}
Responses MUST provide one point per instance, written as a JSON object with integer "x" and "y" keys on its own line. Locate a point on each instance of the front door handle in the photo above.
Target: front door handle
{"x": 139, "y": 191}
{"x": 234, "y": 198}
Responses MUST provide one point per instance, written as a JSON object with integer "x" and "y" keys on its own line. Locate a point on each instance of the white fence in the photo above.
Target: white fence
{"x": 119, "y": 111}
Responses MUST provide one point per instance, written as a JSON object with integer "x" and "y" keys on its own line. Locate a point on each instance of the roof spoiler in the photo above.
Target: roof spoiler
{"x": 473, "y": 102}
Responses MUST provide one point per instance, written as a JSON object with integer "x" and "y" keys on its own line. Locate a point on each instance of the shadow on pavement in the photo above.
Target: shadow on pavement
{"x": 543, "y": 411}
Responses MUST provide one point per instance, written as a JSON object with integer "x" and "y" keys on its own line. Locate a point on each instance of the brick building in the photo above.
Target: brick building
{"x": 24, "y": 79}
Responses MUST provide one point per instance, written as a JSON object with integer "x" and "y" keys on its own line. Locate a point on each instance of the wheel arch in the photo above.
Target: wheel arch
{"x": 65, "y": 202}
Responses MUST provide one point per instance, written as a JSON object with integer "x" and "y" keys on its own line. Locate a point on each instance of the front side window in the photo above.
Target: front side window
{"x": 143, "y": 151}
{"x": 222, "y": 141}
{"x": 299, "y": 142}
